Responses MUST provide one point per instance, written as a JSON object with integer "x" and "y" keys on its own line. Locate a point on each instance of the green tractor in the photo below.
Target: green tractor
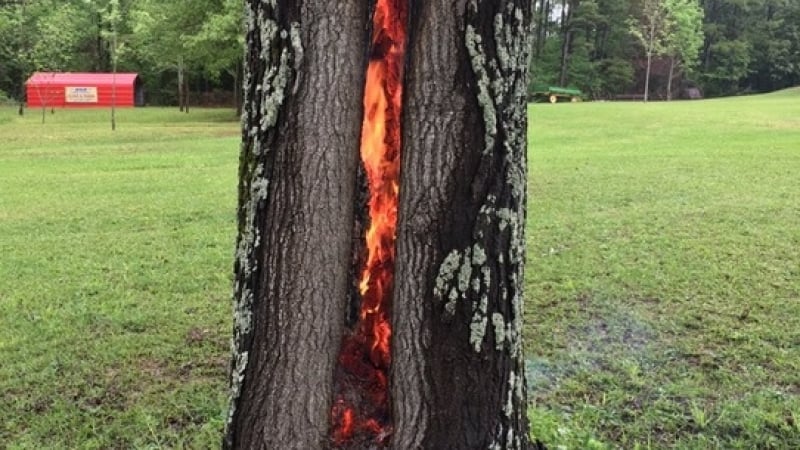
{"x": 554, "y": 94}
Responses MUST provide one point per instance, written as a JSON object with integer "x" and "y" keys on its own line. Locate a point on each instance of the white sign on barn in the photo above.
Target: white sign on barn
{"x": 80, "y": 94}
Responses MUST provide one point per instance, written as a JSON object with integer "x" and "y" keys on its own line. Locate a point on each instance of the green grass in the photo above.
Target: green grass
{"x": 663, "y": 278}
{"x": 114, "y": 278}
{"x": 663, "y": 296}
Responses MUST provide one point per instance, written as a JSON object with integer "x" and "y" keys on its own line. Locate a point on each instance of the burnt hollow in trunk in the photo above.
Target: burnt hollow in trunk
{"x": 457, "y": 374}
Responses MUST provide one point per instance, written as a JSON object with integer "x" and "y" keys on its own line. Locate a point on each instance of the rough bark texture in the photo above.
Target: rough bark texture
{"x": 457, "y": 362}
{"x": 458, "y": 368}
{"x": 303, "y": 80}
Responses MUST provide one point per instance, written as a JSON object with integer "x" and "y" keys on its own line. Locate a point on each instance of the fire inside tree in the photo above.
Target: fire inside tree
{"x": 433, "y": 358}
{"x": 362, "y": 407}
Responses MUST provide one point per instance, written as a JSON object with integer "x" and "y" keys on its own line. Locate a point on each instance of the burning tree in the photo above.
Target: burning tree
{"x": 378, "y": 274}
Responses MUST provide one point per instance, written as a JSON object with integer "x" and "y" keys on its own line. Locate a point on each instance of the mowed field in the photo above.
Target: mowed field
{"x": 663, "y": 277}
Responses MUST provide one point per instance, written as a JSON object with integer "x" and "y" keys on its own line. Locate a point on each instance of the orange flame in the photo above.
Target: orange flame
{"x": 365, "y": 357}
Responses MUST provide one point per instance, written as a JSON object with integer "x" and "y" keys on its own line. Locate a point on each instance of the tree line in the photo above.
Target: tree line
{"x": 618, "y": 48}
{"x": 607, "y": 48}
{"x": 174, "y": 46}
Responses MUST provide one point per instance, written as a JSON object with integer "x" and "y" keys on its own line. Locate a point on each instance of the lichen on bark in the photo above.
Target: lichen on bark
{"x": 461, "y": 227}
{"x": 301, "y": 127}
{"x": 264, "y": 95}
{"x": 497, "y": 41}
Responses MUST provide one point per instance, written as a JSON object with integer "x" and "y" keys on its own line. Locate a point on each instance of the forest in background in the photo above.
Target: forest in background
{"x": 736, "y": 46}
{"x": 716, "y": 47}
{"x": 196, "y": 45}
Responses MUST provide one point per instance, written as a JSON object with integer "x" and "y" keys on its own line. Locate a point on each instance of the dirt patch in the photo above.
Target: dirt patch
{"x": 196, "y": 336}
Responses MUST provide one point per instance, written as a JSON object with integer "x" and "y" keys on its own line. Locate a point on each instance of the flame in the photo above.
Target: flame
{"x": 362, "y": 408}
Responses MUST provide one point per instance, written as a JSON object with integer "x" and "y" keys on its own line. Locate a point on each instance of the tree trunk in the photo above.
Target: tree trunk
{"x": 669, "y": 79}
{"x": 303, "y": 77}
{"x": 546, "y": 23}
{"x": 647, "y": 76}
{"x": 457, "y": 376}
{"x": 651, "y": 38}
{"x": 566, "y": 43}
{"x": 540, "y": 18}
{"x": 180, "y": 83}
{"x": 114, "y": 82}
{"x": 185, "y": 95}
{"x": 99, "y": 45}
{"x": 458, "y": 371}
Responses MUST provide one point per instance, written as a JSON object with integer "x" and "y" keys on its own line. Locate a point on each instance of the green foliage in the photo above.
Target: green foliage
{"x": 684, "y": 35}
{"x": 670, "y": 29}
{"x": 59, "y": 35}
{"x": 544, "y": 70}
{"x": 742, "y": 46}
{"x": 219, "y": 44}
{"x": 598, "y": 60}
{"x": 152, "y": 37}
{"x": 650, "y": 26}
{"x": 727, "y": 46}
{"x": 5, "y": 100}
{"x": 751, "y": 46}
{"x": 14, "y": 52}
{"x": 729, "y": 62}
{"x": 615, "y": 75}
{"x": 195, "y": 37}
{"x": 582, "y": 70}
{"x": 775, "y": 44}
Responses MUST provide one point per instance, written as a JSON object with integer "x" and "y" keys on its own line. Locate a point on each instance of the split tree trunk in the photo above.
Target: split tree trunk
{"x": 457, "y": 376}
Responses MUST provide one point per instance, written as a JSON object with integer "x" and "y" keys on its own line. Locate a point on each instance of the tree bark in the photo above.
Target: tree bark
{"x": 302, "y": 119}
{"x": 545, "y": 24}
{"x": 647, "y": 75}
{"x": 457, "y": 351}
{"x": 185, "y": 95}
{"x": 181, "y": 90}
{"x": 669, "y": 79}
{"x": 457, "y": 376}
{"x": 651, "y": 45}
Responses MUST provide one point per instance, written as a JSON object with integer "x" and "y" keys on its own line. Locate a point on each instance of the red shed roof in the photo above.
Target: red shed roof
{"x": 91, "y": 79}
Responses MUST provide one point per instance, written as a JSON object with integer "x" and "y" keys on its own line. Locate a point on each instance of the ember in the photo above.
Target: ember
{"x": 362, "y": 409}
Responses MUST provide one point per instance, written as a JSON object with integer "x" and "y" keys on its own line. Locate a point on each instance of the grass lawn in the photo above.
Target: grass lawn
{"x": 115, "y": 278}
{"x": 663, "y": 275}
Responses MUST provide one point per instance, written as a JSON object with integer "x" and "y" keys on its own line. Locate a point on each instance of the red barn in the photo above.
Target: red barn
{"x": 81, "y": 90}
